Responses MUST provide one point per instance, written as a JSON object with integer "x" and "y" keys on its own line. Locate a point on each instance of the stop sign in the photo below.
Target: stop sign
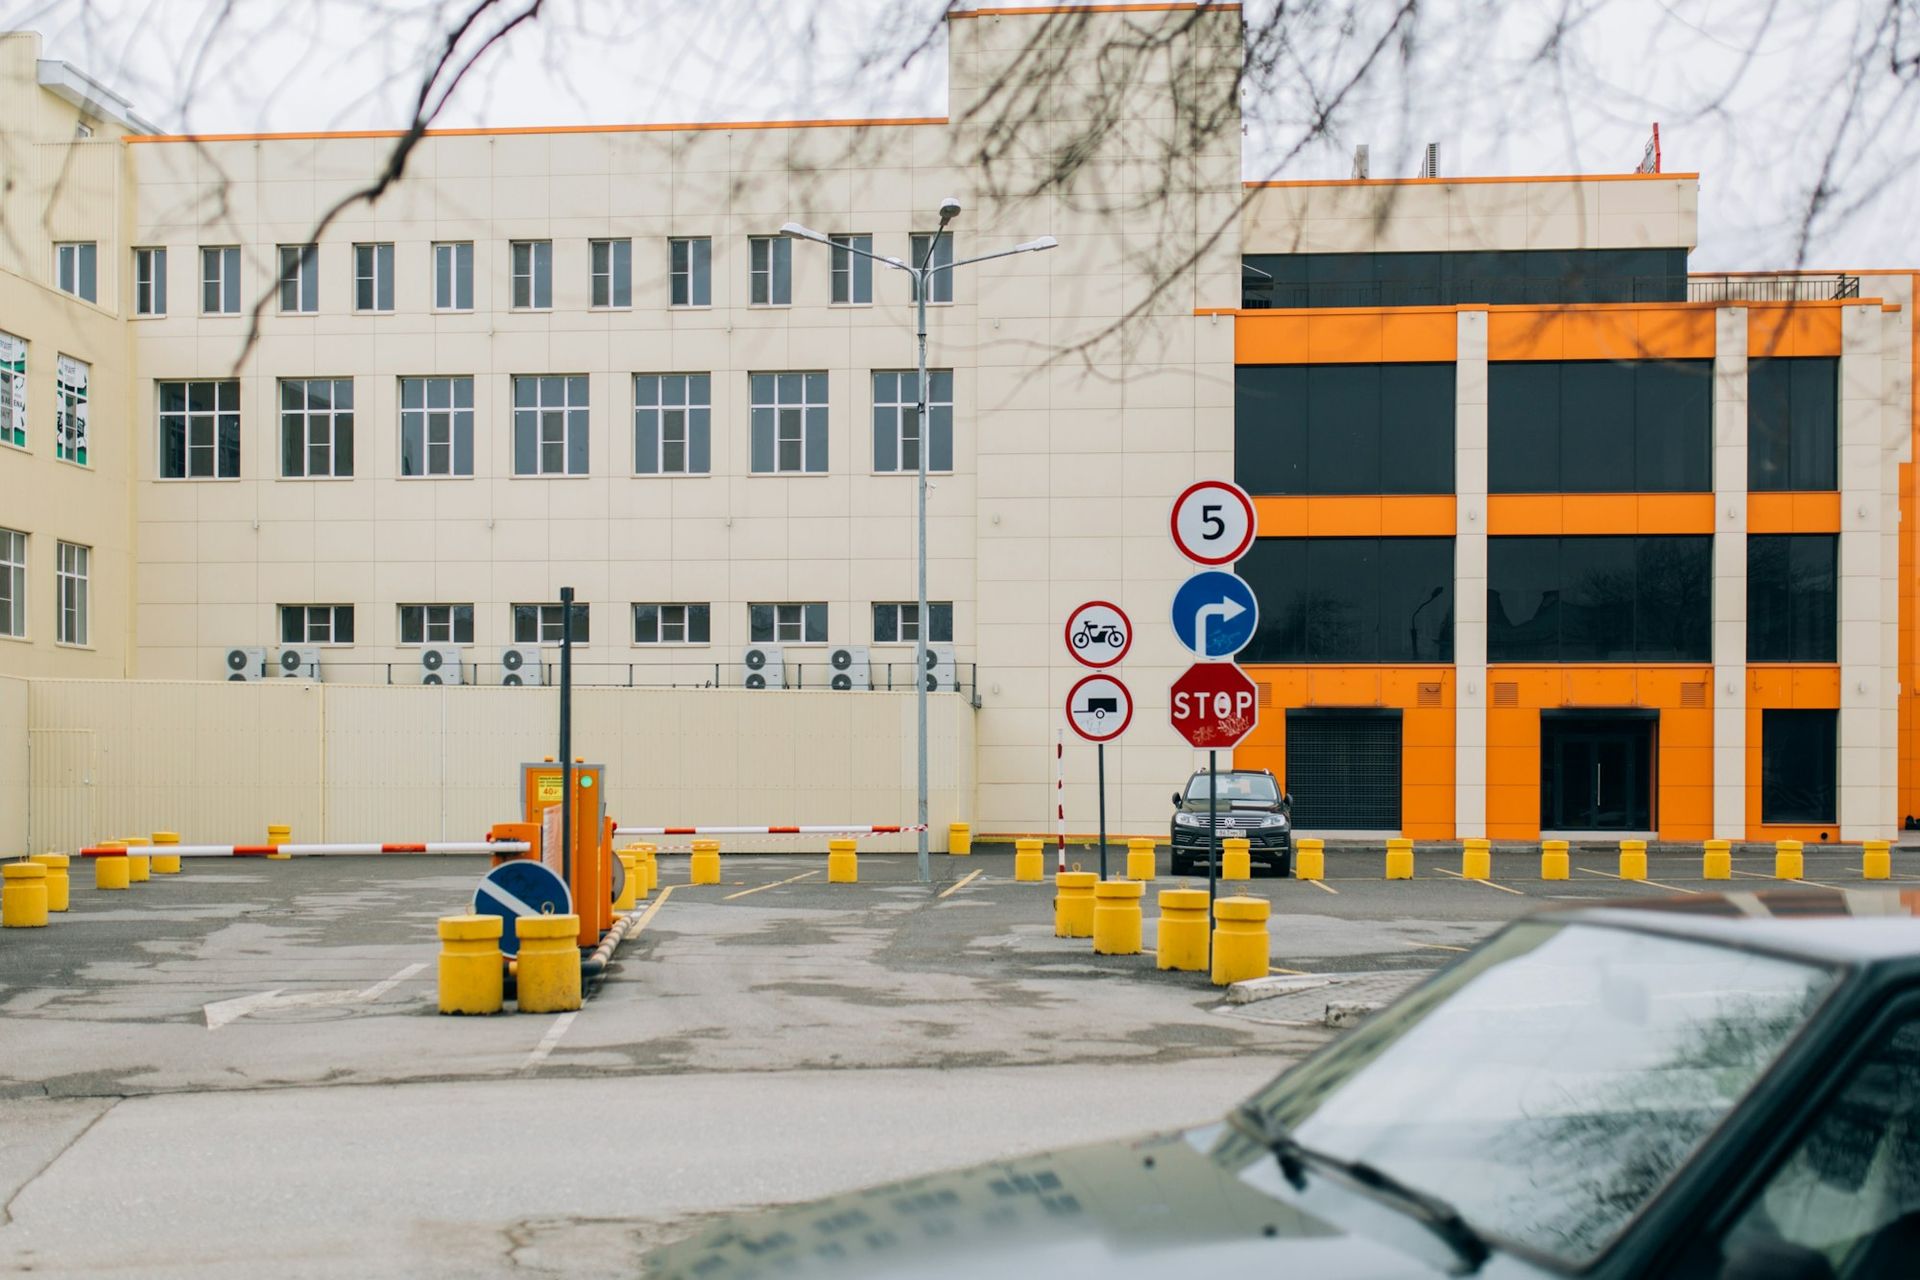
{"x": 1214, "y": 705}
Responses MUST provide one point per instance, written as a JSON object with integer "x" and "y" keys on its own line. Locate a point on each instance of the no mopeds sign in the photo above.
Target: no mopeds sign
{"x": 1098, "y": 634}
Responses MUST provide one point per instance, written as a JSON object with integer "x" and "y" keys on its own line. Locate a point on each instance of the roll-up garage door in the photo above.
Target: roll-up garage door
{"x": 1343, "y": 768}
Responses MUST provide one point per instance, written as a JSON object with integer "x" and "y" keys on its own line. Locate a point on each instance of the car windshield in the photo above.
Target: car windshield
{"x": 1551, "y": 1082}
{"x": 1236, "y": 786}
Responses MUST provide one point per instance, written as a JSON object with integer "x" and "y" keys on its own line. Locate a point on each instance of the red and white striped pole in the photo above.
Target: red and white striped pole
{"x": 1060, "y": 797}
{"x": 830, "y": 829}
{"x": 322, "y": 850}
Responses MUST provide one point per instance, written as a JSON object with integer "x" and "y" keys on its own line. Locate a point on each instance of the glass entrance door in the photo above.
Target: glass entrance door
{"x": 1596, "y": 773}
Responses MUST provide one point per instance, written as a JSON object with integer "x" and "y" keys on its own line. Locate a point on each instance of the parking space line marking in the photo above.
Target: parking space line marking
{"x": 549, "y": 1040}
{"x": 1655, "y": 883}
{"x": 1477, "y": 880}
{"x": 1322, "y": 884}
{"x": 653, "y": 910}
{"x": 1440, "y": 946}
{"x": 1761, "y": 875}
{"x": 958, "y": 885}
{"x": 775, "y": 885}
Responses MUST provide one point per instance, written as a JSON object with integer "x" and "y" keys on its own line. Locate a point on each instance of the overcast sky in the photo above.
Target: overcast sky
{"x": 1752, "y": 96}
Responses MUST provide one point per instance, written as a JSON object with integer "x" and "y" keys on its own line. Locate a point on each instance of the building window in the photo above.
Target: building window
{"x": 453, "y": 275}
{"x": 852, "y": 274}
{"x": 1792, "y": 602}
{"x": 13, "y": 584}
{"x": 1476, "y": 276}
{"x": 941, "y": 289}
{"x": 299, "y": 278}
{"x": 1600, "y": 426}
{"x": 1600, "y": 599}
{"x": 316, "y": 624}
{"x": 1354, "y": 600}
{"x": 1344, "y": 429}
{"x": 1799, "y": 767}
{"x": 149, "y": 282}
{"x": 199, "y": 430}
{"x": 770, "y": 271}
{"x": 896, "y": 420}
{"x": 75, "y": 267}
{"x": 220, "y": 280}
{"x": 550, "y": 426}
{"x": 900, "y": 623}
{"x": 613, "y": 273}
{"x": 316, "y": 428}
{"x": 670, "y": 624}
{"x": 540, "y": 623}
{"x": 671, "y": 424}
{"x": 789, "y": 422}
{"x": 532, "y": 275}
{"x": 787, "y": 623}
{"x": 1793, "y": 423}
{"x": 436, "y": 624}
{"x": 373, "y": 277}
{"x": 71, "y": 577}
{"x": 13, "y": 391}
{"x": 690, "y": 272}
{"x": 70, "y": 417}
{"x": 436, "y": 426}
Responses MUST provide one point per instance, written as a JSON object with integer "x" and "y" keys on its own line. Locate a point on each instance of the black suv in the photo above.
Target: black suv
{"x": 1250, "y": 804}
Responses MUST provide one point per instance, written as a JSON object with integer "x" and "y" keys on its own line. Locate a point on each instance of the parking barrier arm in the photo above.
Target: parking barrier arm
{"x": 322, "y": 850}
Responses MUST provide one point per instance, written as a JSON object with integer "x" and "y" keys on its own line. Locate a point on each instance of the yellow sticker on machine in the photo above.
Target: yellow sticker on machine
{"x": 546, "y": 788}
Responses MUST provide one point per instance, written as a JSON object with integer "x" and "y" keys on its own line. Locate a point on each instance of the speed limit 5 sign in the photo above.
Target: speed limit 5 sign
{"x": 1213, "y": 522}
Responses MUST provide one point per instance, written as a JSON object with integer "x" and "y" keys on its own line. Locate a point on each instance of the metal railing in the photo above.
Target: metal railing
{"x": 1782, "y": 288}
{"x": 883, "y": 676}
{"x": 1260, "y": 295}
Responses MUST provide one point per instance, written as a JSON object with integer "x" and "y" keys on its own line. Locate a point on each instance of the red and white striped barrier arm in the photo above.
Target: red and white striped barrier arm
{"x": 834, "y": 829}
{"x": 310, "y": 850}
{"x": 1060, "y": 797}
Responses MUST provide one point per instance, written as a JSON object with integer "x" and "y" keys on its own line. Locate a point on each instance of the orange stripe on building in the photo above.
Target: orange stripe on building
{"x": 515, "y": 130}
{"x": 1020, "y": 12}
{"x": 1473, "y": 181}
{"x": 1793, "y": 512}
{"x": 1355, "y": 516}
{"x": 1547, "y": 514}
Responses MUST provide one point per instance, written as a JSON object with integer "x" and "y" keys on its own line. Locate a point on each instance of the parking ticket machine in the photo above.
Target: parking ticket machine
{"x": 589, "y": 870}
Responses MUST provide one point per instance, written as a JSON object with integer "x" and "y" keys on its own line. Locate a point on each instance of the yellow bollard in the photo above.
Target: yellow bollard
{"x": 704, "y": 866}
{"x": 1876, "y": 860}
{"x": 23, "y": 895}
{"x": 1310, "y": 858}
{"x": 1788, "y": 862}
{"x": 1633, "y": 859}
{"x": 166, "y": 864}
{"x": 1183, "y": 930}
{"x": 1116, "y": 917}
{"x": 58, "y": 884}
{"x": 1073, "y": 904}
{"x": 1554, "y": 862}
{"x": 279, "y": 833}
{"x": 1026, "y": 860}
{"x": 549, "y": 970}
{"x": 1716, "y": 862}
{"x": 650, "y": 855}
{"x": 843, "y": 862}
{"x": 1239, "y": 939}
{"x": 1236, "y": 858}
{"x": 110, "y": 871}
{"x": 1139, "y": 858}
{"x": 1476, "y": 859}
{"x": 630, "y": 881}
{"x": 139, "y": 865}
{"x": 471, "y": 969}
{"x": 959, "y": 840}
{"x": 1399, "y": 859}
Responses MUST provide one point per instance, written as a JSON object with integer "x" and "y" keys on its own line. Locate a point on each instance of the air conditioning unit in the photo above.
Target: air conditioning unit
{"x": 942, "y": 674}
{"x": 440, "y": 666}
{"x": 519, "y": 666}
{"x": 246, "y": 664}
{"x": 298, "y": 662}
{"x": 849, "y": 668}
{"x": 763, "y": 666}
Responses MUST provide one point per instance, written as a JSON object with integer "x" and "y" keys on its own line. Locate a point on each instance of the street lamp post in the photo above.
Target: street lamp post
{"x": 923, "y": 275}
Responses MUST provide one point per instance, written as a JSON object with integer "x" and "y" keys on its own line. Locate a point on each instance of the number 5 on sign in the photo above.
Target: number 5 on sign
{"x": 1213, "y": 522}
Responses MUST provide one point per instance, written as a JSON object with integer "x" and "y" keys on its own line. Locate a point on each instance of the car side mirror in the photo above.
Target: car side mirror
{"x": 1176, "y": 799}
{"x": 1286, "y": 799}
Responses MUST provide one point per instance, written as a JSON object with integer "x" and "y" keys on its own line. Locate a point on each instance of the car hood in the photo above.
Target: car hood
{"x": 1119, "y": 1209}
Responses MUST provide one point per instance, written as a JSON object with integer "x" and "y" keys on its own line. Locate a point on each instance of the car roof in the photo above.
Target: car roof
{"x": 1852, "y": 926}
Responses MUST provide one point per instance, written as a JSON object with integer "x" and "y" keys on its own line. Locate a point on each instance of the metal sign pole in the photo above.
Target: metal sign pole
{"x": 1213, "y": 839}
{"x": 566, "y": 734}
{"x": 1101, "y": 748}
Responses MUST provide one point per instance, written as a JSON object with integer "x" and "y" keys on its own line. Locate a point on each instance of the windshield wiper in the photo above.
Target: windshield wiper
{"x": 1431, "y": 1211}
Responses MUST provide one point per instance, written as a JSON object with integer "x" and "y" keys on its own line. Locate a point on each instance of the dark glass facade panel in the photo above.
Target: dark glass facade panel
{"x": 1792, "y": 597}
{"x": 1793, "y": 423}
{"x": 1600, "y": 426}
{"x": 1799, "y": 766}
{"x": 1600, "y": 599}
{"x": 1489, "y": 277}
{"x": 1357, "y": 600}
{"x": 1344, "y": 428}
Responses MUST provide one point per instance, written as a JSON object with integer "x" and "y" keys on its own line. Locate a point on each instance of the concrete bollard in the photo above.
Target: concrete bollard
{"x": 548, "y": 975}
{"x": 1236, "y": 858}
{"x": 165, "y": 864}
{"x": 1239, "y": 939}
{"x": 1554, "y": 862}
{"x": 704, "y": 866}
{"x": 1716, "y": 860}
{"x": 1876, "y": 860}
{"x": 139, "y": 865}
{"x": 1026, "y": 860}
{"x": 1310, "y": 858}
{"x": 1399, "y": 859}
{"x": 59, "y": 885}
{"x": 631, "y": 879}
{"x": 1633, "y": 859}
{"x": 1476, "y": 859}
{"x": 279, "y": 833}
{"x": 843, "y": 862}
{"x": 1788, "y": 861}
{"x": 959, "y": 840}
{"x": 1073, "y": 904}
{"x": 471, "y": 969}
{"x": 1140, "y": 858}
{"x": 1183, "y": 930}
{"x": 1116, "y": 917}
{"x": 23, "y": 896}
{"x": 110, "y": 870}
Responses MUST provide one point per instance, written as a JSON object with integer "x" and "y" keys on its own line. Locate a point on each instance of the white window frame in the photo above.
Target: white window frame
{"x": 76, "y": 269}
{"x": 673, "y": 624}
{"x": 373, "y": 277}
{"x": 789, "y": 622}
{"x": 791, "y": 422}
{"x": 530, "y": 272}
{"x": 437, "y": 624}
{"x": 852, "y": 275}
{"x": 554, "y": 425}
{"x": 319, "y": 624}
{"x": 942, "y": 292}
{"x": 213, "y": 422}
{"x": 547, "y": 623}
{"x": 454, "y": 418}
{"x": 72, "y": 569}
{"x": 611, "y": 262}
{"x": 769, "y": 271}
{"x": 690, "y": 271}
{"x": 220, "y": 272}
{"x": 13, "y": 584}
{"x": 453, "y": 275}
{"x": 299, "y": 279}
{"x": 13, "y": 390}
{"x": 150, "y": 282}
{"x": 665, "y": 404}
{"x": 897, "y": 418}
{"x": 906, "y": 624}
{"x": 320, "y": 430}
{"x": 71, "y": 417}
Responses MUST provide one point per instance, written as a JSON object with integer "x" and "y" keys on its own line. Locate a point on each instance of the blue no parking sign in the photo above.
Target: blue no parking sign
{"x": 520, "y": 888}
{"x": 1214, "y": 614}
